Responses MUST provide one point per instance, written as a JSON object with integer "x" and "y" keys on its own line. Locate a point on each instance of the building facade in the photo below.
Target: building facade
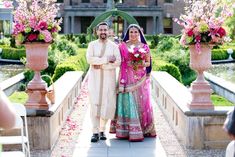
{"x": 154, "y": 16}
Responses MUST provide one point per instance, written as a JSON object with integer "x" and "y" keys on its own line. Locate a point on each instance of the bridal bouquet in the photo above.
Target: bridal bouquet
{"x": 137, "y": 55}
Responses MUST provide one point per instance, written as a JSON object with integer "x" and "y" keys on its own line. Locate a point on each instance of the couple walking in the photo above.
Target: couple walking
{"x": 128, "y": 103}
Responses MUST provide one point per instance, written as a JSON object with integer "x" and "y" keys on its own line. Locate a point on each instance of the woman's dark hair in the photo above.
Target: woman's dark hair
{"x": 229, "y": 124}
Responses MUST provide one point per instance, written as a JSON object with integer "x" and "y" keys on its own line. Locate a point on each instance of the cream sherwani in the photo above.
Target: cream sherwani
{"x": 102, "y": 82}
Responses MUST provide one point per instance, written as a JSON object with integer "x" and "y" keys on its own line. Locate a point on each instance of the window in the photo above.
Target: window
{"x": 168, "y": 1}
{"x": 119, "y": 1}
{"x": 5, "y": 27}
{"x": 142, "y": 22}
{"x": 167, "y": 24}
{"x": 105, "y": 1}
{"x": 156, "y": 2}
{"x": 141, "y": 2}
{"x": 85, "y": 23}
{"x": 60, "y": 1}
{"x": 85, "y": 1}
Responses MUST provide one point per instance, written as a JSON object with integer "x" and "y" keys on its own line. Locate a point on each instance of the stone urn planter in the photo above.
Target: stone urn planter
{"x": 200, "y": 88}
{"x": 36, "y": 60}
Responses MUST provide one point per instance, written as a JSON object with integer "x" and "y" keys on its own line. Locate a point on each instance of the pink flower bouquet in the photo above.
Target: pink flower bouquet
{"x": 137, "y": 56}
{"x": 35, "y": 21}
{"x": 203, "y": 22}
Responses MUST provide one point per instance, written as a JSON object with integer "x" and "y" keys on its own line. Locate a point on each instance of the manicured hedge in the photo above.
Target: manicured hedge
{"x": 74, "y": 63}
{"x": 233, "y": 55}
{"x": 12, "y": 53}
{"x": 168, "y": 67}
{"x": 219, "y": 54}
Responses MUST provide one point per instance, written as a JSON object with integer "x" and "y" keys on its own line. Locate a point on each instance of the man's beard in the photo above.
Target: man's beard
{"x": 103, "y": 36}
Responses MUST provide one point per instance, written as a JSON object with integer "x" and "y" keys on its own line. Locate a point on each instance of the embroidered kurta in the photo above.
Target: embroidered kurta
{"x": 102, "y": 82}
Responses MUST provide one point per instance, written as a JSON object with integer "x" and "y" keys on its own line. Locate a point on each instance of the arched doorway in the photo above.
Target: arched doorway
{"x": 111, "y": 13}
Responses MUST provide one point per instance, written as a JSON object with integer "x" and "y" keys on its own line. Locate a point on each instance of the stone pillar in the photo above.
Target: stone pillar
{"x": 160, "y": 24}
{"x": 66, "y": 25}
{"x": 154, "y": 25}
{"x": 72, "y": 24}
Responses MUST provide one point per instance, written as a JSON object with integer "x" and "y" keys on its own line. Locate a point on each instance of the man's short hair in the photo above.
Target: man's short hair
{"x": 102, "y": 23}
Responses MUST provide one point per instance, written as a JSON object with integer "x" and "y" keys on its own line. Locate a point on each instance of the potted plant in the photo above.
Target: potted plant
{"x": 202, "y": 29}
{"x": 35, "y": 26}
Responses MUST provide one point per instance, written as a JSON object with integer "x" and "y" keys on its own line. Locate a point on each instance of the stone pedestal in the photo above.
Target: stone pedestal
{"x": 36, "y": 60}
{"x": 200, "y": 88}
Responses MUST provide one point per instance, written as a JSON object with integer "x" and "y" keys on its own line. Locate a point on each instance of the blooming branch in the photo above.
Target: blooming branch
{"x": 35, "y": 20}
{"x": 203, "y": 22}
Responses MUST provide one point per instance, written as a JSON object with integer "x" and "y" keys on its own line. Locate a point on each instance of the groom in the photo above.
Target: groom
{"x": 104, "y": 57}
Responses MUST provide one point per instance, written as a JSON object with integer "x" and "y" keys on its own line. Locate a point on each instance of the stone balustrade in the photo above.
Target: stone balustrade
{"x": 44, "y": 125}
{"x": 195, "y": 128}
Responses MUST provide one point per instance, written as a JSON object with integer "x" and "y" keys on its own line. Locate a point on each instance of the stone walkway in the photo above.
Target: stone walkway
{"x": 74, "y": 140}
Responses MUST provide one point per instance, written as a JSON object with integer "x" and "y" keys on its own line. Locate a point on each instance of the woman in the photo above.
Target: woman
{"x": 229, "y": 126}
{"x": 134, "y": 114}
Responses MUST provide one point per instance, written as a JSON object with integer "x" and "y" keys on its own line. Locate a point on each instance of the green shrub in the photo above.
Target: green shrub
{"x": 82, "y": 45}
{"x": 22, "y": 87}
{"x": 219, "y": 54}
{"x": 13, "y": 53}
{"x": 154, "y": 41}
{"x": 5, "y": 41}
{"x": 166, "y": 44}
{"x": 28, "y": 75}
{"x": 233, "y": 54}
{"x": 188, "y": 78}
{"x": 73, "y": 63}
{"x": 67, "y": 46}
{"x": 51, "y": 66}
{"x": 168, "y": 67}
{"x": 149, "y": 37}
{"x": 82, "y": 39}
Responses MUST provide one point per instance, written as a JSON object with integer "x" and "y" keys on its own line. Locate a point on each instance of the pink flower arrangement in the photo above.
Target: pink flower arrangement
{"x": 35, "y": 21}
{"x": 7, "y": 4}
{"x": 137, "y": 55}
{"x": 203, "y": 22}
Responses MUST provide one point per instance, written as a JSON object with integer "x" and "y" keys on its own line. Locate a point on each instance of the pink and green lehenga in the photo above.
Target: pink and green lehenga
{"x": 134, "y": 113}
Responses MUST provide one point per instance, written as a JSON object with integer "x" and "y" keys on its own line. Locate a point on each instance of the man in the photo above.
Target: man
{"x": 104, "y": 57}
{"x": 112, "y": 37}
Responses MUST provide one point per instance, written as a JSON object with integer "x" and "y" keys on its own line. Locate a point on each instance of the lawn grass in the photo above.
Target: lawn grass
{"x": 19, "y": 97}
{"x": 220, "y": 101}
